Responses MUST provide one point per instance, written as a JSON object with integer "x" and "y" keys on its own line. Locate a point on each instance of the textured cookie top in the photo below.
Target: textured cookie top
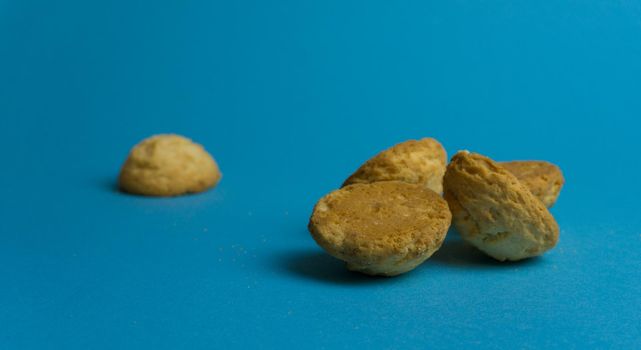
{"x": 542, "y": 178}
{"x": 418, "y": 162}
{"x": 168, "y": 165}
{"x": 494, "y": 211}
{"x": 367, "y": 223}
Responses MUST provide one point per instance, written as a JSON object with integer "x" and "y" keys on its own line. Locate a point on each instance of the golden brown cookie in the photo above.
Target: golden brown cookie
{"x": 494, "y": 211}
{"x": 418, "y": 162}
{"x": 542, "y": 178}
{"x": 383, "y": 228}
{"x": 168, "y": 165}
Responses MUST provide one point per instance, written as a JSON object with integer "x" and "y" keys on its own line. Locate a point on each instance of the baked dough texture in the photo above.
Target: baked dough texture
{"x": 168, "y": 165}
{"x": 494, "y": 211}
{"x": 415, "y": 161}
{"x": 383, "y": 228}
{"x": 544, "y": 179}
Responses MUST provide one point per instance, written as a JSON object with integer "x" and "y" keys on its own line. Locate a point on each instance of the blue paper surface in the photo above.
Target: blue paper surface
{"x": 290, "y": 97}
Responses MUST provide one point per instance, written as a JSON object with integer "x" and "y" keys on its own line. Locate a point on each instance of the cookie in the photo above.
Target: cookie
{"x": 419, "y": 162}
{"x": 494, "y": 211}
{"x": 168, "y": 165}
{"x": 383, "y": 228}
{"x": 542, "y": 178}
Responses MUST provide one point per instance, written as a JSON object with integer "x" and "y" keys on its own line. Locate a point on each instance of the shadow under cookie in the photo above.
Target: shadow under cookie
{"x": 456, "y": 252}
{"x": 109, "y": 184}
{"x": 317, "y": 265}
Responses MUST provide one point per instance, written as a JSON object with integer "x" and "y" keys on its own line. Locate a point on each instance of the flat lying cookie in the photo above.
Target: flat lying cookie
{"x": 494, "y": 211}
{"x": 418, "y": 162}
{"x": 542, "y": 178}
{"x": 383, "y": 228}
{"x": 168, "y": 165}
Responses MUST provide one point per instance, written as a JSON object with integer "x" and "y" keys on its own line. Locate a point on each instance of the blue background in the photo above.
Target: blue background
{"x": 290, "y": 97}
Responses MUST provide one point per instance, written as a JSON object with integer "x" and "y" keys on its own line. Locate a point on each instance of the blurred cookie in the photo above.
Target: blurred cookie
{"x": 418, "y": 162}
{"x": 542, "y": 178}
{"x": 494, "y": 211}
{"x": 383, "y": 228}
{"x": 168, "y": 165}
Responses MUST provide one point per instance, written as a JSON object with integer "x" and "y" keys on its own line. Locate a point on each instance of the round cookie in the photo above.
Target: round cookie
{"x": 544, "y": 179}
{"x": 383, "y": 228}
{"x": 418, "y": 162}
{"x": 168, "y": 165}
{"x": 494, "y": 211}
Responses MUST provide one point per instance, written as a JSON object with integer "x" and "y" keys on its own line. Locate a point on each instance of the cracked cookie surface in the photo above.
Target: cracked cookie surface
{"x": 543, "y": 179}
{"x": 414, "y": 161}
{"x": 494, "y": 211}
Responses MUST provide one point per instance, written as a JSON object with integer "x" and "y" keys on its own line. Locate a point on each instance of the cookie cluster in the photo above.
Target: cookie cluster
{"x": 389, "y": 216}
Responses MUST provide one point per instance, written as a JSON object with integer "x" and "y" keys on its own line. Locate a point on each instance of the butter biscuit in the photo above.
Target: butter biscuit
{"x": 168, "y": 165}
{"x": 419, "y": 162}
{"x": 544, "y": 179}
{"x": 384, "y": 228}
{"x": 494, "y": 211}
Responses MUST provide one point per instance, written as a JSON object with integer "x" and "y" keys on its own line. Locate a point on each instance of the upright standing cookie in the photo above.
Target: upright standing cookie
{"x": 168, "y": 165}
{"x": 383, "y": 228}
{"x": 494, "y": 211}
{"x": 542, "y": 178}
{"x": 418, "y": 162}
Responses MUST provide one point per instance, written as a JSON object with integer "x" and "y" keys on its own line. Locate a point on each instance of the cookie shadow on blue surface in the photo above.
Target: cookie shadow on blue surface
{"x": 109, "y": 184}
{"x": 319, "y": 266}
{"x": 458, "y": 253}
